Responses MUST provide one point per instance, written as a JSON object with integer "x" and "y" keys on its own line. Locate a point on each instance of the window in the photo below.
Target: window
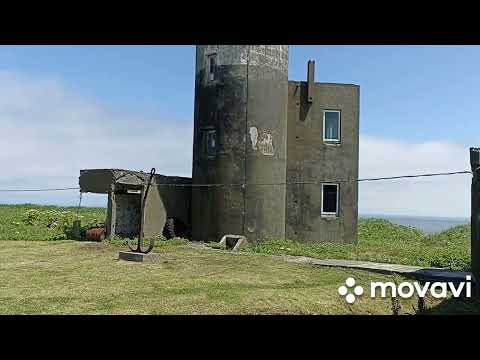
{"x": 331, "y": 126}
{"x": 211, "y": 143}
{"x": 211, "y": 66}
{"x": 330, "y": 199}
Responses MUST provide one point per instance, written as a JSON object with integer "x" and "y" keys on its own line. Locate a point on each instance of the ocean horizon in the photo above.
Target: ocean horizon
{"x": 427, "y": 224}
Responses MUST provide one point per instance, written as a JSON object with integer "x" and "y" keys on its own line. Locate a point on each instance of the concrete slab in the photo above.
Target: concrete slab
{"x": 139, "y": 257}
{"x": 421, "y": 273}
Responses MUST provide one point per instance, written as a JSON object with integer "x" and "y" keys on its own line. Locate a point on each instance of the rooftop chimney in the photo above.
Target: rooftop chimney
{"x": 310, "y": 80}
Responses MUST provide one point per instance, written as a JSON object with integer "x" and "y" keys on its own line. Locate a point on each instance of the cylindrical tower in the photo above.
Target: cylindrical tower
{"x": 241, "y": 94}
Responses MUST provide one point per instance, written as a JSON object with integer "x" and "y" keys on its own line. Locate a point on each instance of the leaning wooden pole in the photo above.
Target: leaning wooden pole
{"x": 475, "y": 215}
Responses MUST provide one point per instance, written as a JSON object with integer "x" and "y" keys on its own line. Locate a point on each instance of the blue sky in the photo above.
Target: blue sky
{"x": 409, "y": 92}
{"x": 419, "y": 108}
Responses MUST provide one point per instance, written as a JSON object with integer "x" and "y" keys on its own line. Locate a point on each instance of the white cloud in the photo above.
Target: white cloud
{"x": 447, "y": 196}
{"x": 48, "y": 133}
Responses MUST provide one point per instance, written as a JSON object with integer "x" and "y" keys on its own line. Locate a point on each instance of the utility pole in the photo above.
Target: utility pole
{"x": 475, "y": 219}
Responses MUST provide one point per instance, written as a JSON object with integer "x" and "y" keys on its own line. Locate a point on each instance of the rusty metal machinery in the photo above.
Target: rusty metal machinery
{"x": 140, "y": 247}
{"x": 95, "y": 234}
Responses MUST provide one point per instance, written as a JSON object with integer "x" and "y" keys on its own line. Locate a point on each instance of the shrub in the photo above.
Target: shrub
{"x": 52, "y": 219}
{"x": 94, "y": 223}
{"x": 55, "y": 219}
{"x": 32, "y": 216}
{"x": 58, "y": 236}
{"x": 447, "y": 259}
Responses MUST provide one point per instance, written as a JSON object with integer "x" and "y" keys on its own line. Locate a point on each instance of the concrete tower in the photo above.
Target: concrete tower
{"x": 241, "y": 96}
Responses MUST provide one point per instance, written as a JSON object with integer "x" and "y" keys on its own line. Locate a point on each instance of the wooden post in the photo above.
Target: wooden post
{"x": 475, "y": 215}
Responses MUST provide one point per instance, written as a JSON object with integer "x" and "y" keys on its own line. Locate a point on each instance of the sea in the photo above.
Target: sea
{"x": 429, "y": 225}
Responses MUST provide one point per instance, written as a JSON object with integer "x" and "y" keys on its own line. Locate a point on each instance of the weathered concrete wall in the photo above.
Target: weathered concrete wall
{"x": 165, "y": 199}
{"x": 127, "y": 221}
{"x": 96, "y": 181}
{"x": 247, "y": 100}
{"x": 266, "y": 152}
{"x": 174, "y": 200}
{"x": 102, "y": 181}
{"x": 310, "y": 159}
{"x": 221, "y": 106}
{"x": 274, "y": 57}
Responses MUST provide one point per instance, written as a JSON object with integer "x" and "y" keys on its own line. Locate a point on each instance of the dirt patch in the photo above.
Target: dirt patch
{"x": 98, "y": 246}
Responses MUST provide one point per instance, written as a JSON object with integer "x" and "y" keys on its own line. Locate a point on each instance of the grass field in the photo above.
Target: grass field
{"x": 382, "y": 241}
{"x": 71, "y": 277}
{"x": 75, "y": 277}
{"x": 379, "y": 240}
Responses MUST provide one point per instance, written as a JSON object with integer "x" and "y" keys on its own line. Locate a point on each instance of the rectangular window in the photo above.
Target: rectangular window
{"x": 330, "y": 199}
{"x": 331, "y": 126}
{"x": 211, "y": 143}
{"x": 211, "y": 66}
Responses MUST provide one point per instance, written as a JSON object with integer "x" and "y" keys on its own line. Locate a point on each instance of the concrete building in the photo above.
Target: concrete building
{"x": 270, "y": 156}
{"x": 322, "y": 148}
{"x": 168, "y": 196}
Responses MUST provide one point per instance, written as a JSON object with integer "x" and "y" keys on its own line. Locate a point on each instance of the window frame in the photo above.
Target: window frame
{"x": 337, "y": 205}
{"x": 206, "y": 135}
{"x": 336, "y": 141}
{"x": 211, "y": 76}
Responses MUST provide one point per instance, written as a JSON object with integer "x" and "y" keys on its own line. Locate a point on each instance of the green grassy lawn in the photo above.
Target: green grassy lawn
{"x": 73, "y": 277}
{"x": 382, "y": 241}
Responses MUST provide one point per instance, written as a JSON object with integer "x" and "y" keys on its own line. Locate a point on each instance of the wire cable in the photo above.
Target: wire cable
{"x": 25, "y": 190}
{"x": 314, "y": 182}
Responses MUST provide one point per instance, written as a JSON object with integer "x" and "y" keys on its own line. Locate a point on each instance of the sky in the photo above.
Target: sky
{"x": 66, "y": 108}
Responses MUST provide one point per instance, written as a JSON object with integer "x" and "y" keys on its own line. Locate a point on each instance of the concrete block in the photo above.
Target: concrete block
{"x": 233, "y": 242}
{"x": 139, "y": 257}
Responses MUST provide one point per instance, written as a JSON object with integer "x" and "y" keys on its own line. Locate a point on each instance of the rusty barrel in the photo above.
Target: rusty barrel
{"x": 95, "y": 234}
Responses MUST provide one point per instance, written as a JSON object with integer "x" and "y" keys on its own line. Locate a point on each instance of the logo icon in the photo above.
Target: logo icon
{"x": 345, "y": 290}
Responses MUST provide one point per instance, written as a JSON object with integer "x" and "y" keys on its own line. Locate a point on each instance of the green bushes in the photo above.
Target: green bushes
{"x": 32, "y": 216}
{"x": 442, "y": 259}
{"x": 52, "y": 219}
{"x": 449, "y": 249}
{"x": 34, "y": 222}
{"x": 59, "y": 222}
{"x": 378, "y": 231}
